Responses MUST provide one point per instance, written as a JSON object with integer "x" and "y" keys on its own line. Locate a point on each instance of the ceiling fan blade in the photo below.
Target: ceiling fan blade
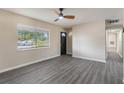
{"x": 56, "y": 19}
{"x": 56, "y": 12}
{"x": 69, "y": 17}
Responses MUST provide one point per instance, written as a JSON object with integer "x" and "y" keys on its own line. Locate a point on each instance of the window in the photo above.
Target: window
{"x": 31, "y": 37}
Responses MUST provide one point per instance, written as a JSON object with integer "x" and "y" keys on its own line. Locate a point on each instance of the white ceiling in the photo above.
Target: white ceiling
{"x": 83, "y": 15}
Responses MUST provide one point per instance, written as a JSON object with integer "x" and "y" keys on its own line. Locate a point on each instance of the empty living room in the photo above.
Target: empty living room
{"x": 61, "y": 45}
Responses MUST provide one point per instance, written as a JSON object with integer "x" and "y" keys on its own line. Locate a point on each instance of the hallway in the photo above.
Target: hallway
{"x": 114, "y": 67}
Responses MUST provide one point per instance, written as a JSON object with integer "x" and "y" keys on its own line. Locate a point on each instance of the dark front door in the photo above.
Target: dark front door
{"x": 63, "y": 43}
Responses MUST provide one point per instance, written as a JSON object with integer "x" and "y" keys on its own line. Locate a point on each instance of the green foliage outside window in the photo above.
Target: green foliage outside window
{"x": 32, "y": 39}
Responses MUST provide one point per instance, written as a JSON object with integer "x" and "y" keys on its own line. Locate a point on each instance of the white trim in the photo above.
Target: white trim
{"x": 92, "y": 59}
{"x": 26, "y": 64}
{"x": 26, "y": 49}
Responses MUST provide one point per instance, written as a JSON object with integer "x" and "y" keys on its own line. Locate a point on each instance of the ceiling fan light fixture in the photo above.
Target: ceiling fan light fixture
{"x": 61, "y": 17}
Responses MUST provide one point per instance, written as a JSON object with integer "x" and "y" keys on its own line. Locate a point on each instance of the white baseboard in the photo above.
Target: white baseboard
{"x": 26, "y": 64}
{"x": 92, "y": 59}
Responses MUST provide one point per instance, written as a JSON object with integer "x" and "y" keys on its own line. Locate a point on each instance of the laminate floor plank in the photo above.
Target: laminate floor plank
{"x": 68, "y": 70}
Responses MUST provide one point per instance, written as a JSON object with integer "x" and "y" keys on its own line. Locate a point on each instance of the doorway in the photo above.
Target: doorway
{"x": 63, "y": 36}
{"x": 114, "y": 42}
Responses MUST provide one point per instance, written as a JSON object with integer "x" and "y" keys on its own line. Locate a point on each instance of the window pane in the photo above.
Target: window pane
{"x": 42, "y": 39}
{"x": 30, "y": 37}
{"x": 25, "y": 37}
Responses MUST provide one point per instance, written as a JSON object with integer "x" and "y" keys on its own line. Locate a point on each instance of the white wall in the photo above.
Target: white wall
{"x": 69, "y": 41}
{"x": 112, "y": 37}
{"x": 123, "y": 45}
{"x": 107, "y": 43}
{"x": 119, "y": 43}
{"x": 89, "y": 41}
{"x": 123, "y": 50}
{"x": 9, "y": 56}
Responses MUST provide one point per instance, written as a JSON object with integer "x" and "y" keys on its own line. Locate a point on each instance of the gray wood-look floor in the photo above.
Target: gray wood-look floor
{"x": 67, "y": 70}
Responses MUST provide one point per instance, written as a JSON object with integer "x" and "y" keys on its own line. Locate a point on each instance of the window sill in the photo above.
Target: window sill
{"x": 28, "y": 49}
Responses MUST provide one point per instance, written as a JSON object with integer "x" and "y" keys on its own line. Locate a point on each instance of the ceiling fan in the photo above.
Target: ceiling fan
{"x": 61, "y": 15}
